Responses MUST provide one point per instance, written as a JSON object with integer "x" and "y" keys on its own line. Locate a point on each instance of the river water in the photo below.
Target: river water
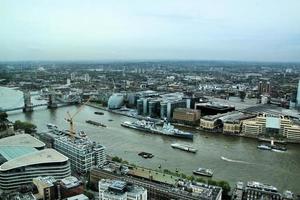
{"x": 231, "y": 158}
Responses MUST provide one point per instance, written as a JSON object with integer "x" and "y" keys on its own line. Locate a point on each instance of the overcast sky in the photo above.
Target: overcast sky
{"x": 250, "y": 30}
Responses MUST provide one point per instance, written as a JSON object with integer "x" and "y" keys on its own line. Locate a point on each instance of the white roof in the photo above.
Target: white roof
{"x": 38, "y": 157}
{"x": 78, "y": 197}
{"x": 24, "y": 140}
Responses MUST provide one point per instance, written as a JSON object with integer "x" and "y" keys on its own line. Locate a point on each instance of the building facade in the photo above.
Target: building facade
{"x": 120, "y": 190}
{"x": 83, "y": 153}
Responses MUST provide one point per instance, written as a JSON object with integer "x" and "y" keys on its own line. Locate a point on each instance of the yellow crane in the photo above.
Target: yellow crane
{"x": 71, "y": 117}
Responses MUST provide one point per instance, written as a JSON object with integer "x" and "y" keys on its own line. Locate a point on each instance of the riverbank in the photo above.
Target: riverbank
{"x": 124, "y": 113}
{"x": 244, "y": 162}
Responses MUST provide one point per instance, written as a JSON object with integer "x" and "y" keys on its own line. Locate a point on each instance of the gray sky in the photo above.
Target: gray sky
{"x": 258, "y": 30}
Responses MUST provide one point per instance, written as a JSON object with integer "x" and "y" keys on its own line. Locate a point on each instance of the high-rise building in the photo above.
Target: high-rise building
{"x": 298, "y": 96}
{"x": 73, "y": 76}
{"x": 87, "y": 78}
{"x": 82, "y": 152}
{"x": 264, "y": 86}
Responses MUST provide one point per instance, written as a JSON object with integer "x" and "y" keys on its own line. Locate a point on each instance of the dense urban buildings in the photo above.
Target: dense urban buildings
{"x": 200, "y": 99}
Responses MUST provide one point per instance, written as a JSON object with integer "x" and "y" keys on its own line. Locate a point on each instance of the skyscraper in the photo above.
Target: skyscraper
{"x": 298, "y": 96}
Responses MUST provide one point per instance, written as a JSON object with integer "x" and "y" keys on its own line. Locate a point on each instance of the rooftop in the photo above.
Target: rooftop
{"x": 12, "y": 152}
{"x": 70, "y": 182}
{"x": 24, "y": 140}
{"x": 37, "y": 157}
{"x": 45, "y": 181}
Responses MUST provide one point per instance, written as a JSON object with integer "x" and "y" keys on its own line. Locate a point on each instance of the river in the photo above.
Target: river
{"x": 231, "y": 158}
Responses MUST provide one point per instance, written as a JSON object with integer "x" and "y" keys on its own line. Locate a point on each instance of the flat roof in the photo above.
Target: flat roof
{"x": 37, "y": 157}
{"x": 11, "y": 152}
{"x": 24, "y": 140}
{"x": 118, "y": 185}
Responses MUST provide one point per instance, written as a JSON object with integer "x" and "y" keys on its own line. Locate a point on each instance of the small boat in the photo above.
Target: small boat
{"x": 98, "y": 113}
{"x": 184, "y": 147}
{"x": 146, "y": 155}
{"x": 203, "y": 172}
{"x": 272, "y": 147}
{"x": 277, "y": 148}
{"x": 264, "y": 147}
{"x": 110, "y": 120}
{"x": 95, "y": 123}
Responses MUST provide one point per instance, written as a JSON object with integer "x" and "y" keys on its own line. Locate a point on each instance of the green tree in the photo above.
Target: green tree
{"x": 242, "y": 95}
{"x": 116, "y": 159}
{"x": 3, "y": 116}
{"x": 26, "y": 126}
{"x": 225, "y": 186}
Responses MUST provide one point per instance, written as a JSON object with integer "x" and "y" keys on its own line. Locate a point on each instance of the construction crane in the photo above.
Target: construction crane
{"x": 71, "y": 118}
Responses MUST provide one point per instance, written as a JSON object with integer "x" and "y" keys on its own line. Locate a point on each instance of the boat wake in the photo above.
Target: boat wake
{"x": 235, "y": 161}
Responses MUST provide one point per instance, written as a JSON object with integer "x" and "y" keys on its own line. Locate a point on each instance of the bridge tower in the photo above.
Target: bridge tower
{"x": 52, "y": 100}
{"x": 28, "y": 106}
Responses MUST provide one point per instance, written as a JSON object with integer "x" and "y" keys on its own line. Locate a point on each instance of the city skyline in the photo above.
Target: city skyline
{"x": 150, "y": 30}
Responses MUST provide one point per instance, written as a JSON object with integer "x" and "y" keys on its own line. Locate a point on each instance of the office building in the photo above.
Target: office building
{"x": 46, "y": 187}
{"x": 298, "y": 96}
{"x": 82, "y": 152}
{"x": 73, "y": 76}
{"x": 120, "y": 190}
{"x": 272, "y": 125}
{"x": 87, "y": 78}
{"x": 255, "y": 191}
{"x": 186, "y": 116}
{"x": 264, "y": 86}
{"x": 232, "y": 122}
{"x": 23, "y": 158}
{"x": 154, "y": 108}
{"x": 49, "y": 188}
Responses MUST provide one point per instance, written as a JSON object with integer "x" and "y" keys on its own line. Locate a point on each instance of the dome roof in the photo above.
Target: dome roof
{"x": 116, "y": 101}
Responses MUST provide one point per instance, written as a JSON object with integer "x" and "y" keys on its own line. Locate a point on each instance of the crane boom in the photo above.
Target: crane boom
{"x": 71, "y": 117}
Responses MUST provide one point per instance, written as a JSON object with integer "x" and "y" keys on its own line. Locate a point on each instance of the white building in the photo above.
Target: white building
{"x": 120, "y": 190}
{"x": 82, "y": 152}
{"x": 23, "y": 158}
{"x": 73, "y": 76}
{"x": 87, "y": 78}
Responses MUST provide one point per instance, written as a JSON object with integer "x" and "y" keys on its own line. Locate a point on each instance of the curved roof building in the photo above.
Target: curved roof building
{"x": 116, "y": 101}
{"x": 21, "y": 161}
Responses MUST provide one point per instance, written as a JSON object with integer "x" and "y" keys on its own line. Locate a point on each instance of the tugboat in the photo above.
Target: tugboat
{"x": 146, "y": 155}
{"x": 95, "y": 123}
{"x": 98, "y": 113}
{"x": 184, "y": 147}
{"x": 203, "y": 172}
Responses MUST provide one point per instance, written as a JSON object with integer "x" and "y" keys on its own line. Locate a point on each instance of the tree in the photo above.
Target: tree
{"x": 3, "y": 116}
{"x": 117, "y": 159}
{"x": 225, "y": 186}
{"x": 26, "y": 126}
{"x": 242, "y": 95}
